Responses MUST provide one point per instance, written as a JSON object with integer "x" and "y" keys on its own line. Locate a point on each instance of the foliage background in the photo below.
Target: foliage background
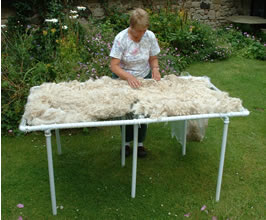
{"x": 78, "y": 49}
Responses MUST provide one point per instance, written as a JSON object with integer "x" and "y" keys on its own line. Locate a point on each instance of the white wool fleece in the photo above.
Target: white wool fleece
{"x": 106, "y": 98}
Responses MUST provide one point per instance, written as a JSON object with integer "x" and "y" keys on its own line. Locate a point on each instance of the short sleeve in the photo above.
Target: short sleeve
{"x": 117, "y": 49}
{"x": 155, "y": 49}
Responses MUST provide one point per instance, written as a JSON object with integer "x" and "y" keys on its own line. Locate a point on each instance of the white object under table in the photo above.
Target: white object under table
{"x": 136, "y": 122}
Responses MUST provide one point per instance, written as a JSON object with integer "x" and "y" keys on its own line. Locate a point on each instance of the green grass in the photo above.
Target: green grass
{"x": 91, "y": 184}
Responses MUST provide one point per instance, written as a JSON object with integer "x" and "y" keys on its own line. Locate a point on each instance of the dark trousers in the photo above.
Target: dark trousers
{"x": 130, "y": 128}
{"x": 141, "y": 132}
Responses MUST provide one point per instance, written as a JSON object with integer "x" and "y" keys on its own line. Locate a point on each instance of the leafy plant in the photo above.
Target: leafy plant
{"x": 56, "y": 9}
{"x": 171, "y": 61}
{"x": 190, "y": 37}
{"x": 20, "y": 71}
{"x": 256, "y": 51}
{"x": 117, "y": 18}
{"x": 243, "y": 43}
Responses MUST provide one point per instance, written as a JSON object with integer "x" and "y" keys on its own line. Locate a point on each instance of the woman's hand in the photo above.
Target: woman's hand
{"x": 156, "y": 74}
{"x": 133, "y": 82}
{"x": 153, "y": 60}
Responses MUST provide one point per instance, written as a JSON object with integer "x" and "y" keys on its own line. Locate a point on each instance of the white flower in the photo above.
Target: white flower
{"x": 64, "y": 27}
{"x": 81, "y": 8}
{"x": 73, "y": 17}
{"x": 3, "y": 25}
{"x": 73, "y": 12}
{"x": 53, "y": 20}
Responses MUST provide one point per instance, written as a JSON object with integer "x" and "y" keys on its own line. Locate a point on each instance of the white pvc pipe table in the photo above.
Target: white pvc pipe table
{"x": 136, "y": 122}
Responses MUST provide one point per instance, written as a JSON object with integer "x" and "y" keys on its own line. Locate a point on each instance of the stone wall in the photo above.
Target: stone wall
{"x": 212, "y": 12}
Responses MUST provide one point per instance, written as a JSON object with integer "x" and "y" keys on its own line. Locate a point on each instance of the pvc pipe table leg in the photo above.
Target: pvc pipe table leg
{"x": 221, "y": 166}
{"x": 134, "y": 164}
{"x": 123, "y": 151}
{"x": 184, "y": 138}
{"x": 51, "y": 170}
{"x": 58, "y": 142}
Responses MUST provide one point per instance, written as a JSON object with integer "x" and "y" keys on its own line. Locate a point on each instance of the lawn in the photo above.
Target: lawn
{"x": 91, "y": 184}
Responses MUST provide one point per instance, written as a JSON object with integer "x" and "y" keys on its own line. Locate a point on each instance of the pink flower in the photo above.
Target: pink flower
{"x": 20, "y": 218}
{"x": 187, "y": 215}
{"x": 203, "y": 208}
{"x": 20, "y": 205}
{"x": 214, "y": 218}
{"x": 10, "y": 131}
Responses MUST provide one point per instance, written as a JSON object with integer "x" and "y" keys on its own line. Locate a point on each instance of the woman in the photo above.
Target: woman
{"x": 134, "y": 54}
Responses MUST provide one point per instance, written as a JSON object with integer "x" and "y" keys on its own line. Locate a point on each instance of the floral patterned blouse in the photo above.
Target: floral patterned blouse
{"x": 133, "y": 56}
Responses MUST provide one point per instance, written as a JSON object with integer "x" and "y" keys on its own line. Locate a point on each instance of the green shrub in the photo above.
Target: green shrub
{"x": 243, "y": 43}
{"x": 44, "y": 41}
{"x": 117, "y": 18}
{"x": 171, "y": 61}
{"x": 34, "y": 11}
{"x": 256, "y": 51}
{"x": 188, "y": 36}
{"x": 234, "y": 37}
{"x": 215, "y": 53}
{"x": 20, "y": 72}
{"x": 165, "y": 23}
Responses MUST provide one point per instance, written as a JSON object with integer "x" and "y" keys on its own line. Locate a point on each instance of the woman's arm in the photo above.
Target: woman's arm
{"x": 155, "y": 68}
{"x": 115, "y": 68}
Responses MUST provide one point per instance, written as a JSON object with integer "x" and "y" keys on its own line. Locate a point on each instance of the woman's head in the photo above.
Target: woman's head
{"x": 139, "y": 19}
{"x": 139, "y": 22}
